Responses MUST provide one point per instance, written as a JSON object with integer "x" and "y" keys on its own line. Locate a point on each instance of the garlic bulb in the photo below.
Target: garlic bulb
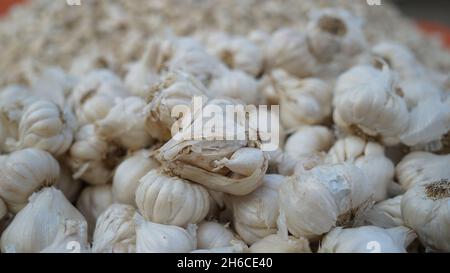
{"x": 386, "y": 214}
{"x": 44, "y": 125}
{"x": 302, "y": 101}
{"x": 275, "y": 243}
{"x": 425, "y": 208}
{"x": 36, "y": 226}
{"x": 22, "y": 173}
{"x": 326, "y": 196}
{"x": 236, "y": 85}
{"x": 124, "y": 124}
{"x": 70, "y": 238}
{"x": 93, "y": 201}
{"x": 170, "y": 200}
{"x": 235, "y": 247}
{"x": 157, "y": 238}
{"x": 65, "y": 183}
{"x": 3, "y": 209}
{"x": 288, "y": 49}
{"x": 420, "y": 167}
{"x": 367, "y": 104}
{"x": 255, "y": 215}
{"x": 308, "y": 140}
{"x": 91, "y": 158}
{"x": 94, "y": 95}
{"x": 213, "y": 235}
{"x": 367, "y": 239}
{"x": 128, "y": 173}
{"x": 115, "y": 230}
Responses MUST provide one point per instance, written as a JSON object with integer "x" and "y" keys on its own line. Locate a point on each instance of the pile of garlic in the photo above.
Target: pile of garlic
{"x": 89, "y": 161}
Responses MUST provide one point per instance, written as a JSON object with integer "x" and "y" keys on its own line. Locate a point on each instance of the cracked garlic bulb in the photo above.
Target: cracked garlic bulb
{"x": 92, "y": 158}
{"x": 212, "y": 235}
{"x": 115, "y": 231}
{"x": 367, "y": 239}
{"x": 128, "y": 173}
{"x": 93, "y": 201}
{"x": 125, "y": 124}
{"x": 275, "y": 243}
{"x": 24, "y": 172}
{"x": 420, "y": 167}
{"x": 171, "y": 200}
{"x": 315, "y": 201}
{"x": 288, "y": 49}
{"x": 157, "y": 238}
{"x": 36, "y": 226}
{"x": 255, "y": 214}
{"x": 386, "y": 214}
{"x": 425, "y": 208}
{"x": 70, "y": 238}
{"x": 366, "y": 103}
{"x": 235, "y": 84}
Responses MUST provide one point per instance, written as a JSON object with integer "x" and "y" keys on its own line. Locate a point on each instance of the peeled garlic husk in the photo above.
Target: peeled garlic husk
{"x": 44, "y": 125}
{"x": 425, "y": 209}
{"x": 288, "y": 49}
{"x": 213, "y": 235}
{"x": 275, "y": 243}
{"x": 24, "y": 172}
{"x": 94, "y": 95}
{"x": 420, "y": 167}
{"x": 70, "y": 238}
{"x": 128, "y": 173}
{"x": 255, "y": 215}
{"x": 236, "y": 84}
{"x": 326, "y": 196}
{"x": 65, "y": 183}
{"x": 125, "y": 124}
{"x": 36, "y": 226}
{"x": 386, "y": 214}
{"x": 308, "y": 140}
{"x": 92, "y": 158}
{"x": 3, "y": 209}
{"x": 366, "y": 104}
{"x": 236, "y": 246}
{"x": 157, "y": 238}
{"x": 171, "y": 200}
{"x": 115, "y": 231}
{"x": 367, "y": 239}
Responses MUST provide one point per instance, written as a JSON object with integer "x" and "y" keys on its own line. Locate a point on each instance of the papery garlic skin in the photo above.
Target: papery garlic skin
{"x": 367, "y": 239}
{"x": 157, "y": 238}
{"x": 275, "y": 243}
{"x": 255, "y": 215}
{"x": 386, "y": 214}
{"x": 236, "y": 85}
{"x": 125, "y": 124}
{"x": 65, "y": 183}
{"x": 213, "y": 235}
{"x": 425, "y": 209}
{"x": 71, "y": 238}
{"x": 36, "y": 226}
{"x": 326, "y": 196}
{"x": 128, "y": 173}
{"x": 420, "y": 167}
{"x": 115, "y": 231}
{"x": 22, "y": 173}
{"x": 93, "y": 201}
{"x": 171, "y": 200}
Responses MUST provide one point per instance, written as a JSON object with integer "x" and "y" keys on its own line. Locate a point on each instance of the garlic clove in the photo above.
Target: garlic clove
{"x": 212, "y": 235}
{"x": 244, "y": 161}
{"x": 235, "y": 84}
{"x": 308, "y": 140}
{"x": 235, "y": 247}
{"x": 275, "y": 243}
{"x": 385, "y": 214}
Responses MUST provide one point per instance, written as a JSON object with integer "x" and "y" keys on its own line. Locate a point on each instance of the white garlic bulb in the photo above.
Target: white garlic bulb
{"x": 36, "y": 226}
{"x": 115, "y": 231}
{"x": 124, "y": 124}
{"x": 326, "y": 196}
{"x": 157, "y": 238}
{"x": 420, "y": 167}
{"x": 65, "y": 183}
{"x": 70, "y": 238}
{"x": 22, "y": 173}
{"x": 128, "y": 173}
{"x": 386, "y": 214}
{"x": 288, "y": 49}
{"x": 213, "y": 235}
{"x": 308, "y": 140}
{"x": 367, "y": 239}
{"x": 275, "y": 243}
{"x": 236, "y": 84}
{"x": 255, "y": 215}
{"x": 425, "y": 209}
{"x": 93, "y": 201}
{"x": 171, "y": 200}
{"x": 366, "y": 103}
